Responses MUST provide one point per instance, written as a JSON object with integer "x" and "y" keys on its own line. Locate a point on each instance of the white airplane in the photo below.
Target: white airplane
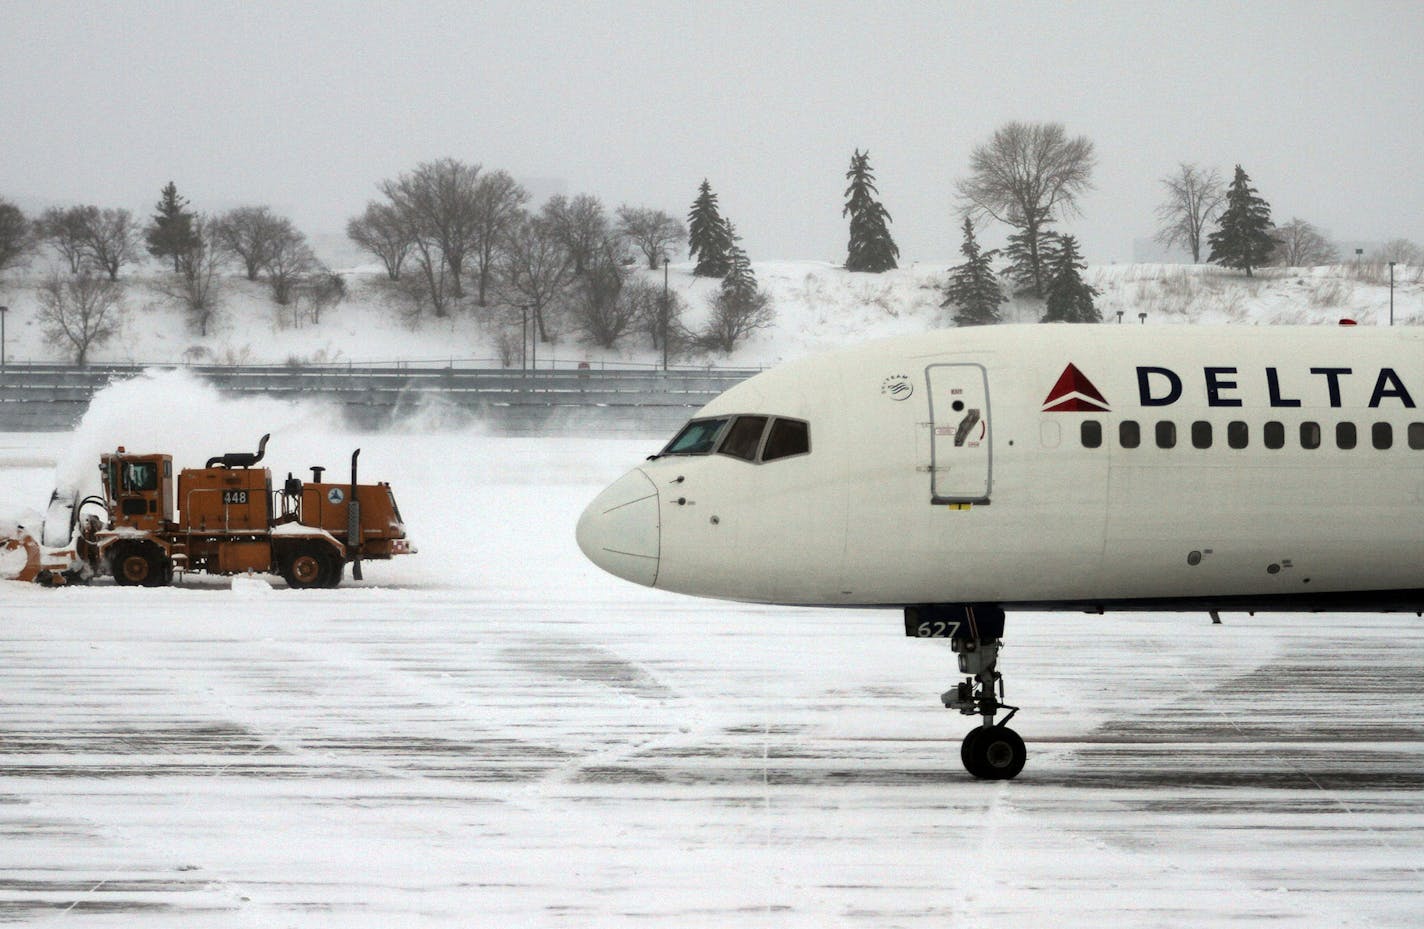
{"x": 959, "y": 474}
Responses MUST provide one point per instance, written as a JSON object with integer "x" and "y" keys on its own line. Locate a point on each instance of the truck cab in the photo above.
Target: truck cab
{"x": 139, "y": 489}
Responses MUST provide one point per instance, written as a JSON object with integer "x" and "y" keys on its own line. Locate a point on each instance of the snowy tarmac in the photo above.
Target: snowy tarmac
{"x": 494, "y": 733}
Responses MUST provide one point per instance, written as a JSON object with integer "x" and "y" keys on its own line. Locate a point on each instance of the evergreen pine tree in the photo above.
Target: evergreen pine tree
{"x": 171, "y": 232}
{"x": 740, "y": 280}
{"x": 1022, "y": 266}
{"x": 1070, "y": 298}
{"x": 871, "y": 248}
{"x": 1243, "y": 236}
{"x": 972, "y": 289}
{"x": 707, "y": 235}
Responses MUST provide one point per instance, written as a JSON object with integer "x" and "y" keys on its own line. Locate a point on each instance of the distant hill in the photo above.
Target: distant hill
{"x": 819, "y": 306}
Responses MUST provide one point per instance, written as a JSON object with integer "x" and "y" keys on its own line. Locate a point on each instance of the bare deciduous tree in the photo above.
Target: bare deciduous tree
{"x": 15, "y": 238}
{"x": 251, "y": 234}
{"x": 652, "y": 232}
{"x": 1027, "y": 175}
{"x": 80, "y": 312}
{"x": 111, "y": 239}
{"x": 650, "y": 301}
{"x": 735, "y": 315}
{"x": 1301, "y": 245}
{"x": 499, "y": 205}
{"x": 437, "y": 206}
{"x": 197, "y": 285}
{"x": 62, "y": 228}
{"x": 289, "y": 259}
{"x": 380, "y": 231}
{"x": 316, "y": 293}
{"x": 598, "y": 309}
{"x": 581, "y": 225}
{"x": 1194, "y": 197}
{"x": 1400, "y": 251}
{"x": 536, "y": 270}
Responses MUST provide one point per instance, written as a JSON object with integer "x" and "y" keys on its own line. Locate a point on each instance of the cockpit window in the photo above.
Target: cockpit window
{"x": 788, "y": 437}
{"x": 744, "y": 438}
{"x": 696, "y": 438}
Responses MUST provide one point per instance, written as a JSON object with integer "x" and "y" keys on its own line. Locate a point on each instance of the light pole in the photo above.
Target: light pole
{"x": 5, "y": 310}
{"x": 1391, "y": 293}
{"x": 665, "y": 311}
{"x": 523, "y": 341}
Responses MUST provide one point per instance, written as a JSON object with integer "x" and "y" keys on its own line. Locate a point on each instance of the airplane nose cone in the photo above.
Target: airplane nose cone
{"x": 619, "y": 531}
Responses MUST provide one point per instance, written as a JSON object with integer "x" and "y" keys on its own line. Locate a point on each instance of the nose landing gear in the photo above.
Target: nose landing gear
{"x": 992, "y": 751}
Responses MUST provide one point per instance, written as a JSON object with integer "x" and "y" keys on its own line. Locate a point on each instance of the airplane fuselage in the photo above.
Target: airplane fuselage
{"x": 1079, "y": 467}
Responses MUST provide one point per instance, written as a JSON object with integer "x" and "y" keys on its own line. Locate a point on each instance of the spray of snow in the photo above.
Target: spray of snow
{"x": 174, "y": 412}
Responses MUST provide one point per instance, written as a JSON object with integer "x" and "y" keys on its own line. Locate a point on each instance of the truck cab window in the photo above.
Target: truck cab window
{"x": 787, "y": 437}
{"x": 140, "y": 476}
{"x": 744, "y": 438}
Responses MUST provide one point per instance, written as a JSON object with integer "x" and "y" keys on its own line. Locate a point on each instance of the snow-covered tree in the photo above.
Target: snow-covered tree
{"x": 707, "y": 235}
{"x": 1243, "y": 235}
{"x": 1070, "y": 298}
{"x": 973, "y": 290}
{"x": 871, "y": 248}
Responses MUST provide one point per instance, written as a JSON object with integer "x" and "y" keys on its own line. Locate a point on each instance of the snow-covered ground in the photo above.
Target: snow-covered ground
{"x": 818, "y": 306}
{"x": 494, "y": 733}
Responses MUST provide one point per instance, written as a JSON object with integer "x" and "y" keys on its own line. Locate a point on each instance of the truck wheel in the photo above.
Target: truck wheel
{"x": 307, "y": 567}
{"x": 135, "y": 565}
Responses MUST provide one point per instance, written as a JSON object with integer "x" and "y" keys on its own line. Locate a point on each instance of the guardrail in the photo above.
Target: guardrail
{"x": 54, "y": 397}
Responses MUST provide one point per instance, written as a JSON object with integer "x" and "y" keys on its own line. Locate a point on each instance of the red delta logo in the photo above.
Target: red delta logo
{"x": 1074, "y": 393}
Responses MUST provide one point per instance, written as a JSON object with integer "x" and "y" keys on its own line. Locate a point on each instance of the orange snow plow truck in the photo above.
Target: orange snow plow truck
{"x": 223, "y": 518}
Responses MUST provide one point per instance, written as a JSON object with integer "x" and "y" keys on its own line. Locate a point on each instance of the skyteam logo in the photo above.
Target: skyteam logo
{"x": 1074, "y": 393}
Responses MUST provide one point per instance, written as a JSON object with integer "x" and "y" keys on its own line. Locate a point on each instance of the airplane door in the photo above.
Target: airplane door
{"x": 961, "y": 457}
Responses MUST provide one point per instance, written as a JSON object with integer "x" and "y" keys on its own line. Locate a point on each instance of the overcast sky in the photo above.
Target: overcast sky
{"x": 306, "y": 106}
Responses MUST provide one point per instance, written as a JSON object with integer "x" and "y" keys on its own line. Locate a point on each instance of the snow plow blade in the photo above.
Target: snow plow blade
{"x": 22, "y": 558}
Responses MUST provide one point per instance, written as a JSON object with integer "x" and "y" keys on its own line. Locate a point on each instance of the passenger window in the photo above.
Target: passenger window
{"x": 1416, "y": 436}
{"x": 696, "y": 438}
{"x": 1310, "y": 435}
{"x": 1201, "y": 434}
{"x": 1092, "y": 433}
{"x": 1274, "y": 435}
{"x": 744, "y": 437}
{"x": 1345, "y": 435}
{"x": 1382, "y": 435}
{"x": 1166, "y": 434}
{"x": 1238, "y": 434}
{"x": 788, "y": 437}
{"x": 1129, "y": 434}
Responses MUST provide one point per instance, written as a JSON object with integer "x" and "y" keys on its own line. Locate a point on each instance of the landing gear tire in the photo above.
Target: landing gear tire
{"x": 310, "y": 567}
{"x": 140, "y": 565}
{"x": 993, "y": 753}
